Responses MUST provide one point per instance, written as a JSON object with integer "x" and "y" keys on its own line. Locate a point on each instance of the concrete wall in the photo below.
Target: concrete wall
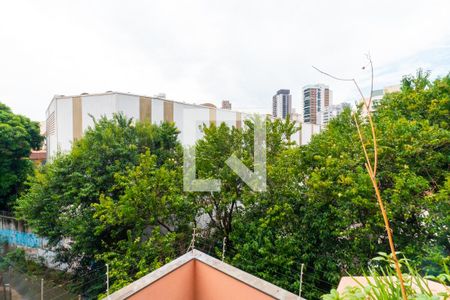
{"x": 157, "y": 111}
{"x": 227, "y": 117}
{"x": 97, "y": 106}
{"x": 189, "y": 119}
{"x": 64, "y": 123}
{"x": 128, "y": 104}
{"x": 50, "y": 130}
{"x": 303, "y": 137}
{"x": 16, "y": 233}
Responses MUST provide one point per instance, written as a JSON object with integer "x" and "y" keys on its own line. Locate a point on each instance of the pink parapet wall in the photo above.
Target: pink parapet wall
{"x": 177, "y": 285}
{"x": 213, "y": 284}
{"x": 198, "y": 281}
{"x": 196, "y": 275}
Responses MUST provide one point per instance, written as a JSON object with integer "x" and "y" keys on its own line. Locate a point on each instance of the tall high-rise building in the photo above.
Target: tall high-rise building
{"x": 282, "y": 104}
{"x": 316, "y": 100}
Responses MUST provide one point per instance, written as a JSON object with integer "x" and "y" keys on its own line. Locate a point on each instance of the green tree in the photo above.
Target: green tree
{"x": 212, "y": 151}
{"x": 59, "y": 202}
{"x": 298, "y": 219}
{"x": 320, "y": 209}
{"x": 18, "y": 135}
{"x": 216, "y": 209}
{"x": 118, "y": 195}
{"x": 155, "y": 214}
{"x": 416, "y": 160}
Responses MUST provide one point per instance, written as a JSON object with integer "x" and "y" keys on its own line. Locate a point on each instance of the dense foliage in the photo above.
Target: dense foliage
{"x": 118, "y": 197}
{"x": 59, "y": 202}
{"x": 18, "y": 135}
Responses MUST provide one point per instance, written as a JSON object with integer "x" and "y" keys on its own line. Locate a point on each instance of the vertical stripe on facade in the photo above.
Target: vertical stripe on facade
{"x": 212, "y": 116}
{"x": 168, "y": 111}
{"x": 238, "y": 120}
{"x": 313, "y": 106}
{"x": 145, "y": 109}
{"x": 77, "y": 118}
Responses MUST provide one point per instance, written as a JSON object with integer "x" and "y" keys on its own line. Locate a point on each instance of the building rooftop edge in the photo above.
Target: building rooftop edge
{"x": 317, "y": 85}
{"x": 57, "y": 97}
{"x": 246, "y": 278}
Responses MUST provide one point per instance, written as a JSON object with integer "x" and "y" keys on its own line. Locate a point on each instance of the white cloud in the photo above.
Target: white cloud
{"x": 200, "y": 51}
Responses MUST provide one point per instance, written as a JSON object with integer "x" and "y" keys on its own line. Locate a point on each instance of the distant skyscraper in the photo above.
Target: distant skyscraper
{"x": 316, "y": 100}
{"x": 226, "y": 104}
{"x": 282, "y": 104}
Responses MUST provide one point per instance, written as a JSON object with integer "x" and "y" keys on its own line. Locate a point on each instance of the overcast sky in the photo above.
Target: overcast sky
{"x": 198, "y": 51}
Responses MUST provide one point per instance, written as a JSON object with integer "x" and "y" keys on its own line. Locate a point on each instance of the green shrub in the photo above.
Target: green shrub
{"x": 383, "y": 284}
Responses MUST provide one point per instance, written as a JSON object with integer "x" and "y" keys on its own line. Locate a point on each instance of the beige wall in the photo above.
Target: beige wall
{"x": 238, "y": 120}
{"x": 145, "y": 109}
{"x": 168, "y": 111}
{"x": 77, "y": 118}
{"x": 212, "y": 116}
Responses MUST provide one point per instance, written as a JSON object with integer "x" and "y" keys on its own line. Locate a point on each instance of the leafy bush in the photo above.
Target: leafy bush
{"x": 383, "y": 284}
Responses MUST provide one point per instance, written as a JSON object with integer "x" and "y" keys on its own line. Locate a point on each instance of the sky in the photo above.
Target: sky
{"x": 207, "y": 51}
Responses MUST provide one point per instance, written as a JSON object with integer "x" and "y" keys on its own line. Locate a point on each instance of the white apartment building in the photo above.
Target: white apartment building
{"x": 68, "y": 117}
{"x": 315, "y": 103}
{"x": 377, "y": 95}
{"x": 333, "y": 111}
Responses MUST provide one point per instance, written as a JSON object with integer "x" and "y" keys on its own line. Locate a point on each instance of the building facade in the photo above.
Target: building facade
{"x": 315, "y": 104}
{"x": 226, "y": 104}
{"x": 68, "y": 117}
{"x": 377, "y": 95}
{"x": 333, "y": 111}
{"x": 282, "y": 104}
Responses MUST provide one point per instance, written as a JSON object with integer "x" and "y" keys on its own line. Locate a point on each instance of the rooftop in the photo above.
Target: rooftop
{"x": 196, "y": 275}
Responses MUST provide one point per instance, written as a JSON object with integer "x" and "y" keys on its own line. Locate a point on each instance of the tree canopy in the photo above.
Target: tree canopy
{"x": 18, "y": 136}
{"x": 118, "y": 196}
{"x": 59, "y": 203}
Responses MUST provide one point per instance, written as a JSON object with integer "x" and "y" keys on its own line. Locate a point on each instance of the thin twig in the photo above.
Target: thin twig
{"x": 371, "y": 78}
{"x": 366, "y": 105}
{"x": 372, "y": 127}
{"x": 332, "y": 76}
{"x": 361, "y": 138}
